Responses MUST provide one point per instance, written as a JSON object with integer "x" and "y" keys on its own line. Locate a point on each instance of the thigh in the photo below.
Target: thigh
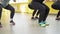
{"x": 37, "y": 5}
{"x": 9, "y": 7}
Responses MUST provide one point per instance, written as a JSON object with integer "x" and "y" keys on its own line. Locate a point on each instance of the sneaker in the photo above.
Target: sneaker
{"x": 32, "y": 18}
{"x": 12, "y": 22}
{"x": 57, "y": 18}
{"x": 0, "y": 25}
{"x": 43, "y": 24}
{"x": 46, "y": 23}
{"x": 36, "y": 17}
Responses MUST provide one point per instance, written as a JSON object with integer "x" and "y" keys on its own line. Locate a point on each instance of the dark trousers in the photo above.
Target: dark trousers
{"x": 46, "y": 12}
{"x": 43, "y": 15}
{"x": 34, "y": 12}
{"x": 8, "y": 7}
{"x": 43, "y": 10}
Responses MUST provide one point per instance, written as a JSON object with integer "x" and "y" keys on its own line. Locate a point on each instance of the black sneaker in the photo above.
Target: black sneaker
{"x": 36, "y": 18}
{"x": 57, "y": 18}
{"x": 0, "y": 25}
{"x": 32, "y": 18}
{"x": 13, "y": 23}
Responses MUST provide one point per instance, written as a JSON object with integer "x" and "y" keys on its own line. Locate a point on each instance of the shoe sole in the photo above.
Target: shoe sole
{"x": 45, "y": 25}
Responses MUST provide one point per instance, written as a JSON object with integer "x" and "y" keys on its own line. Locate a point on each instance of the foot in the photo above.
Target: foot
{"x": 0, "y": 25}
{"x": 36, "y": 17}
{"x": 32, "y": 18}
{"x": 12, "y": 22}
{"x": 46, "y": 23}
{"x": 43, "y": 25}
{"x": 57, "y": 18}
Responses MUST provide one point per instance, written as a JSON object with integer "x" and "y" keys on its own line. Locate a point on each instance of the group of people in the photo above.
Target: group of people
{"x": 43, "y": 10}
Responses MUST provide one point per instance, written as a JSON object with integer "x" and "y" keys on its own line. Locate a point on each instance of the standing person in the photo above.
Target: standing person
{"x": 5, "y": 4}
{"x": 34, "y": 12}
{"x": 56, "y": 6}
{"x": 43, "y": 10}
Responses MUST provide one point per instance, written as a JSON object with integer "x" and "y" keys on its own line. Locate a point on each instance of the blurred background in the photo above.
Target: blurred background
{"x": 23, "y": 22}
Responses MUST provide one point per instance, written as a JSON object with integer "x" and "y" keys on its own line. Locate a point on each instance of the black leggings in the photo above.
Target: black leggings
{"x": 8, "y": 7}
{"x": 34, "y": 12}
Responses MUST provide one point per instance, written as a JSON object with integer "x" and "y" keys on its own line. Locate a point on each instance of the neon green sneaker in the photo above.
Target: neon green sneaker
{"x": 46, "y": 23}
{"x": 43, "y": 24}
